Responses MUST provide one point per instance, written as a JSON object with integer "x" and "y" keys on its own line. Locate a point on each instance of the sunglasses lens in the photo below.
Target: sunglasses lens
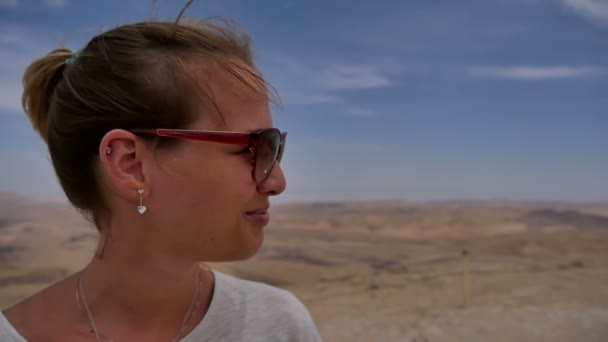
{"x": 267, "y": 151}
{"x": 282, "y": 142}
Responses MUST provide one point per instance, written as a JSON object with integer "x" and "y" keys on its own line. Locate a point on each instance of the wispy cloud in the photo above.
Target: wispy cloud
{"x": 55, "y": 3}
{"x": 594, "y": 10}
{"x": 296, "y": 97}
{"x": 19, "y": 46}
{"x": 533, "y": 73}
{"x": 8, "y": 3}
{"x": 18, "y": 3}
{"x": 314, "y": 82}
{"x": 344, "y": 77}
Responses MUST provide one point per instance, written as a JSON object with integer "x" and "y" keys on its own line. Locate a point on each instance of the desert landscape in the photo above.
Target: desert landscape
{"x": 384, "y": 271}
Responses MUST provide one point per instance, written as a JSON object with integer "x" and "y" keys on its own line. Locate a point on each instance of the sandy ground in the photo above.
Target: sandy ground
{"x": 385, "y": 271}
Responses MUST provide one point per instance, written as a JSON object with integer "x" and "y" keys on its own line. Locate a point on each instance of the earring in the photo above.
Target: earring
{"x": 108, "y": 150}
{"x": 141, "y": 208}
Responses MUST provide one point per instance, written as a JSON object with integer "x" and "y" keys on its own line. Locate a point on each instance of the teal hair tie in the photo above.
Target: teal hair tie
{"x": 72, "y": 57}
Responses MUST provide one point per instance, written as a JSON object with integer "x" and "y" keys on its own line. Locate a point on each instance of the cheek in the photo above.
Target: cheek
{"x": 211, "y": 191}
{"x": 207, "y": 206}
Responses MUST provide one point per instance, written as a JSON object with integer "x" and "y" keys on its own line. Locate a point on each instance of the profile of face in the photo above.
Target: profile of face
{"x": 201, "y": 197}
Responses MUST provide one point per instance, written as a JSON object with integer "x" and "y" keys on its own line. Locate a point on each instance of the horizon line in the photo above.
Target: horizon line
{"x": 375, "y": 199}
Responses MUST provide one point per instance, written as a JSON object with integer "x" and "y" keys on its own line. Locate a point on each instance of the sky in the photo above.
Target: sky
{"x": 414, "y": 100}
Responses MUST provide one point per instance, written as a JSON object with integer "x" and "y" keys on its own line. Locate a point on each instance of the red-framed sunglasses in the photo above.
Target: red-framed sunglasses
{"x": 266, "y": 145}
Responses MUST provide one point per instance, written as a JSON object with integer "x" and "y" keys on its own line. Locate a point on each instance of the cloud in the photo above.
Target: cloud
{"x": 295, "y": 97}
{"x": 17, "y": 3}
{"x": 55, "y": 3}
{"x": 8, "y": 3}
{"x": 19, "y": 46}
{"x": 361, "y": 112}
{"x": 534, "y": 73}
{"x": 593, "y": 10}
{"x": 345, "y": 77}
{"x": 303, "y": 82}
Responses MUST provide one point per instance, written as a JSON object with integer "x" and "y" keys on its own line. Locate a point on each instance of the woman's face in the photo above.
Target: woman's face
{"x": 202, "y": 193}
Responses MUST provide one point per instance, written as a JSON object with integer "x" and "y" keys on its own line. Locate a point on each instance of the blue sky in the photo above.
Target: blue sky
{"x": 415, "y": 100}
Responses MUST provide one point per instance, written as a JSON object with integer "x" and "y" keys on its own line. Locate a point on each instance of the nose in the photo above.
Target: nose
{"x": 275, "y": 183}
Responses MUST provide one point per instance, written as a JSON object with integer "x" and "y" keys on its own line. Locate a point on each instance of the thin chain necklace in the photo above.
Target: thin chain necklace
{"x": 190, "y": 314}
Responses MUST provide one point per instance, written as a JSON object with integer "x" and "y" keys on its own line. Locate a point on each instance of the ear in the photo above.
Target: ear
{"x": 123, "y": 159}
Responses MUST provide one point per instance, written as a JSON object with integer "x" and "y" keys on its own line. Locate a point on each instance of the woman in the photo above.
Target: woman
{"x": 161, "y": 133}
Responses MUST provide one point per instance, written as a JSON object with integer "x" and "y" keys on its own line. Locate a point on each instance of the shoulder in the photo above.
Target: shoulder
{"x": 254, "y": 291}
{"x": 272, "y": 309}
{"x": 8, "y": 331}
{"x": 44, "y": 315}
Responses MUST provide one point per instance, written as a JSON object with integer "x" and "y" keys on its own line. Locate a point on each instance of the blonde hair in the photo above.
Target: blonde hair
{"x": 137, "y": 75}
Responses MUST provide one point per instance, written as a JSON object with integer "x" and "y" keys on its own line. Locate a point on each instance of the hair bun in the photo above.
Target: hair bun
{"x": 39, "y": 82}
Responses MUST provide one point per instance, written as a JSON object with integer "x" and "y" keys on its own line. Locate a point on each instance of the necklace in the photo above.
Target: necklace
{"x": 190, "y": 314}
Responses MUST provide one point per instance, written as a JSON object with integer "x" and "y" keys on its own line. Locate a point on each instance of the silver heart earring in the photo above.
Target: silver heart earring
{"x": 141, "y": 208}
{"x": 108, "y": 150}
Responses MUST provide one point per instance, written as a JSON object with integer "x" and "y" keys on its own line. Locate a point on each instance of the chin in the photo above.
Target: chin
{"x": 249, "y": 252}
{"x": 251, "y": 244}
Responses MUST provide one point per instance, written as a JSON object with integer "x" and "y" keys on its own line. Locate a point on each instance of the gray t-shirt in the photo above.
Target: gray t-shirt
{"x": 240, "y": 310}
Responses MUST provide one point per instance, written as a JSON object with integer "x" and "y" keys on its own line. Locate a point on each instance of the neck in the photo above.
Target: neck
{"x": 133, "y": 288}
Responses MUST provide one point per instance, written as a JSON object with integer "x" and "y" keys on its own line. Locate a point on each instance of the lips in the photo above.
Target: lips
{"x": 258, "y": 211}
{"x": 261, "y": 216}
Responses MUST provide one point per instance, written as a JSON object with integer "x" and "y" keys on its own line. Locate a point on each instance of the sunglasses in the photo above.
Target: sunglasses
{"x": 266, "y": 145}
